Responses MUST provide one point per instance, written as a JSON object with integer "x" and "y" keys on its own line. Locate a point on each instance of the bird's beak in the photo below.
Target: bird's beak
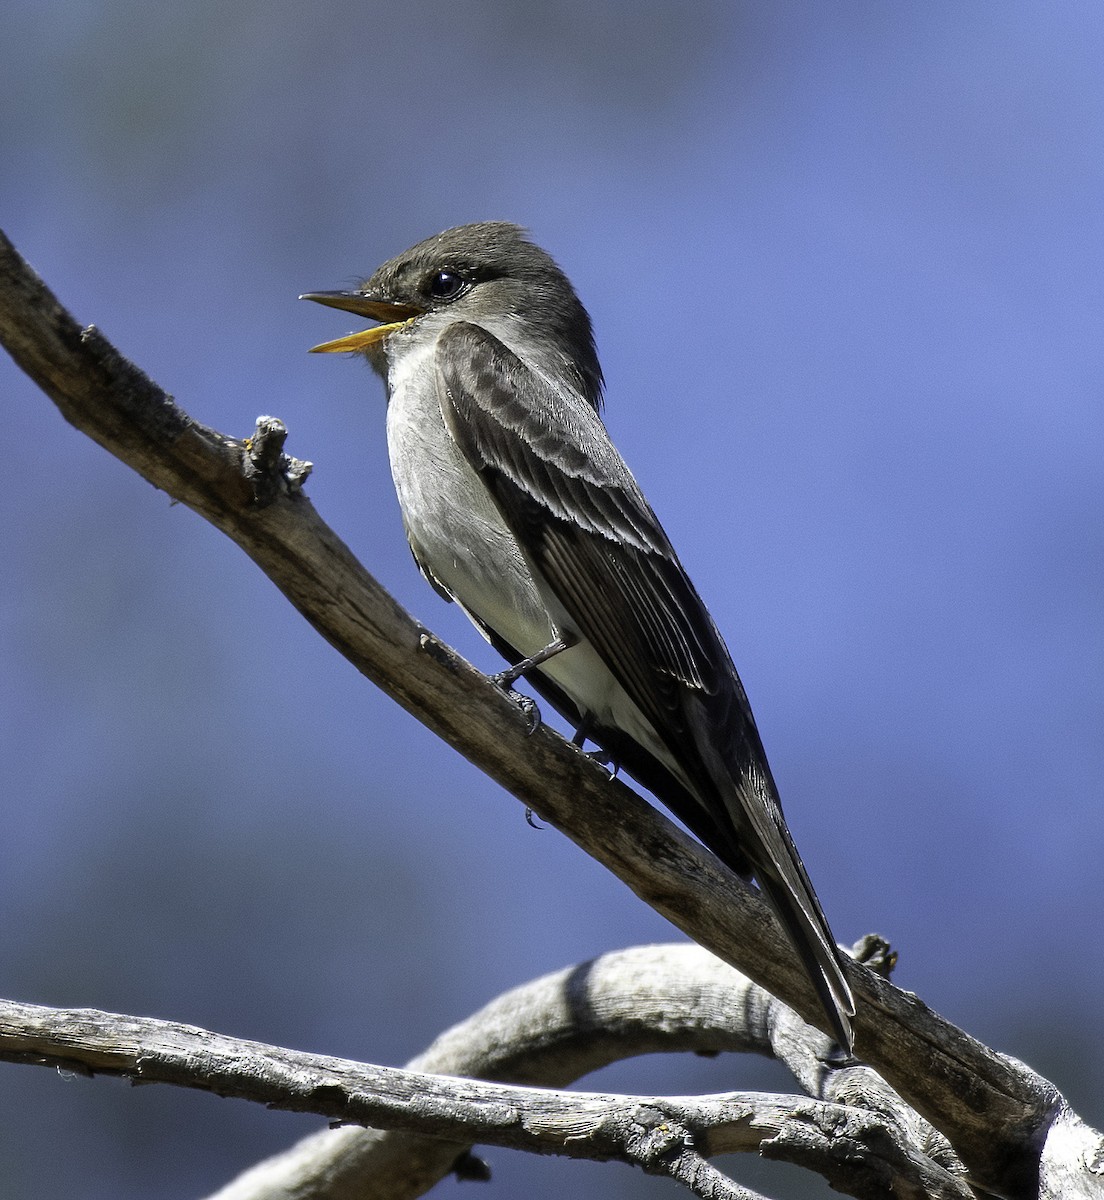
{"x": 393, "y": 315}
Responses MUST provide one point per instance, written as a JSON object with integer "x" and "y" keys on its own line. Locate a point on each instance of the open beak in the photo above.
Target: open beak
{"x": 393, "y": 315}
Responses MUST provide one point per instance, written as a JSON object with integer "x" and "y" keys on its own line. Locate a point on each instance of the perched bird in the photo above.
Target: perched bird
{"x": 518, "y": 506}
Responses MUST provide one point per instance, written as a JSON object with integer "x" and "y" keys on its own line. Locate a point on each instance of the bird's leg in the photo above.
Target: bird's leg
{"x": 581, "y": 734}
{"x": 506, "y": 679}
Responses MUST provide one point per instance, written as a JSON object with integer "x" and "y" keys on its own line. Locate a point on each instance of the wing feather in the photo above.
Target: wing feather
{"x": 581, "y": 518}
{"x": 587, "y": 530}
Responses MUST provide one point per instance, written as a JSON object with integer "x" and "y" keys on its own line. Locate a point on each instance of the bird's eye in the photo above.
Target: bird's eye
{"x": 445, "y": 285}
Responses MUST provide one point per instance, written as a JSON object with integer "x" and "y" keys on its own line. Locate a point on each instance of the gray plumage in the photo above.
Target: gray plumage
{"x": 518, "y": 506}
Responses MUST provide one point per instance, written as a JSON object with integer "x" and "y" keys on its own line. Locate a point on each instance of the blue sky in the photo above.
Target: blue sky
{"x": 845, "y": 267}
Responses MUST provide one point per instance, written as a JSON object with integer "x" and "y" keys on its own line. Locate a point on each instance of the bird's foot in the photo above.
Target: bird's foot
{"x": 527, "y": 704}
{"x": 605, "y": 760}
{"x": 599, "y": 755}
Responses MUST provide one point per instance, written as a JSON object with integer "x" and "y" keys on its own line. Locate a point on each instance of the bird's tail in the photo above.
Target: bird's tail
{"x": 763, "y": 840}
{"x": 804, "y": 922}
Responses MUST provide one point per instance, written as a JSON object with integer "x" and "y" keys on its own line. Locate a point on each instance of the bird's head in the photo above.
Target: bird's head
{"x": 489, "y": 274}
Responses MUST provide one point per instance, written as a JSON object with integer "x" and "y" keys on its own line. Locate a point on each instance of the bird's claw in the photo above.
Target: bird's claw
{"x": 527, "y": 704}
{"x": 612, "y": 766}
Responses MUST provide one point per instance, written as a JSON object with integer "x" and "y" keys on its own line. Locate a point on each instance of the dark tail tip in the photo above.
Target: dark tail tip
{"x": 822, "y": 960}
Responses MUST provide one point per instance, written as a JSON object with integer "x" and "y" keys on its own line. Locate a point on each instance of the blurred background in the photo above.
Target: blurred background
{"x": 845, "y": 265}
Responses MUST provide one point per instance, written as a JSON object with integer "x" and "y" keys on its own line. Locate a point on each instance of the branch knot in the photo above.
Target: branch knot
{"x": 269, "y": 471}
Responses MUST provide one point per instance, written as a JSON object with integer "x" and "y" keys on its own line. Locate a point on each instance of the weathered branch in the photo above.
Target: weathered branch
{"x": 995, "y": 1112}
{"x": 564, "y": 1025}
{"x": 859, "y": 1151}
{"x": 652, "y": 1132}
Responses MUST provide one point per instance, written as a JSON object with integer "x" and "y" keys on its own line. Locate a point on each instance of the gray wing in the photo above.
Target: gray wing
{"x": 587, "y": 530}
{"x": 581, "y": 519}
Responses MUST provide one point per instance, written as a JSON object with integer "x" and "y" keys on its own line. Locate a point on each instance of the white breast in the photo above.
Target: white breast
{"x": 450, "y": 518}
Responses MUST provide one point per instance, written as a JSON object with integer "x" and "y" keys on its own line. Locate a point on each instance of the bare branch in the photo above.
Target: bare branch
{"x": 1072, "y": 1160}
{"x": 662, "y": 1135}
{"x": 995, "y": 1112}
{"x": 553, "y": 1030}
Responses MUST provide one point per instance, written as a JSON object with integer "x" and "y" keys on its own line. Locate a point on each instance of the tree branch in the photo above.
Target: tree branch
{"x": 650, "y": 999}
{"x": 856, "y": 1150}
{"x": 995, "y": 1112}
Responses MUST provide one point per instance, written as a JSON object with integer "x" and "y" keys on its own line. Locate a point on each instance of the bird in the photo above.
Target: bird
{"x": 518, "y": 507}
